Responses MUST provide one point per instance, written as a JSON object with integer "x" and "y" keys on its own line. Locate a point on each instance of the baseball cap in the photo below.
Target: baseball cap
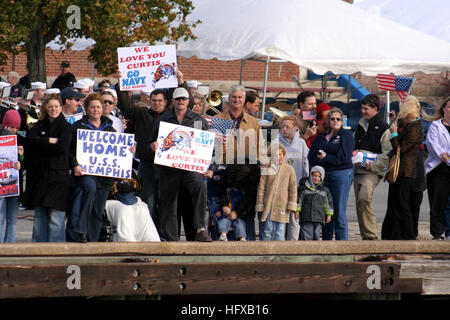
{"x": 180, "y": 93}
{"x": 69, "y": 92}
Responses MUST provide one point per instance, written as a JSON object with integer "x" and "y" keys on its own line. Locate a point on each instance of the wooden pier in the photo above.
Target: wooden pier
{"x": 30, "y": 270}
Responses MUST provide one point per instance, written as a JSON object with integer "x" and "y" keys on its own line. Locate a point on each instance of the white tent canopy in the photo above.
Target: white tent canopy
{"x": 325, "y": 35}
{"x": 431, "y": 16}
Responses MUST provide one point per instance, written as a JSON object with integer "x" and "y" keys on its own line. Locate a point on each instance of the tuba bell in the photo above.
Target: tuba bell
{"x": 31, "y": 119}
{"x": 277, "y": 114}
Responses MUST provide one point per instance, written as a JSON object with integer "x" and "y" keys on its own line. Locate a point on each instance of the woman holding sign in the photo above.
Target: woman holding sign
{"x": 95, "y": 189}
{"x": 47, "y": 148}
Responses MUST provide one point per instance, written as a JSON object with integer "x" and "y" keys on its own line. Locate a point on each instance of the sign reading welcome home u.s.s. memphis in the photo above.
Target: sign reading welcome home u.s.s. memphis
{"x": 106, "y": 154}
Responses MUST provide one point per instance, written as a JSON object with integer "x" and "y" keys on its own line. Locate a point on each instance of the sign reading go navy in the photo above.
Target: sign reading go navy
{"x": 105, "y": 154}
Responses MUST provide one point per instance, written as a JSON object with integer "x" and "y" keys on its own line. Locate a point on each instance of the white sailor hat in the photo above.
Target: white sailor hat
{"x": 192, "y": 83}
{"x": 81, "y": 85}
{"x": 88, "y": 81}
{"x": 113, "y": 92}
{"x": 52, "y": 91}
{"x": 38, "y": 85}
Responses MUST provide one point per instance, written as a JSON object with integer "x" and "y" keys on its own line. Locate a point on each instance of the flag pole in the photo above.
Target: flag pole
{"x": 388, "y": 105}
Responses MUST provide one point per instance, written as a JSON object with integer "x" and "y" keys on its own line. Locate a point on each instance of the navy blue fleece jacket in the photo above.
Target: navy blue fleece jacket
{"x": 338, "y": 151}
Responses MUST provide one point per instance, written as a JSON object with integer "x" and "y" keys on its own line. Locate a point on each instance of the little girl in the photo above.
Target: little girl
{"x": 276, "y": 198}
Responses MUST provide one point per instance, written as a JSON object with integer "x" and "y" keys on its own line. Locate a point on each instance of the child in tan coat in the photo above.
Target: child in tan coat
{"x": 276, "y": 198}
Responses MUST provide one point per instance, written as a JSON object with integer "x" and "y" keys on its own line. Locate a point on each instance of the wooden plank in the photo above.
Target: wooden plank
{"x": 436, "y": 286}
{"x": 23, "y": 281}
{"x": 174, "y": 259}
{"x": 435, "y": 275}
{"x": 411, "y": 285}
{"x": 350, "y": 247}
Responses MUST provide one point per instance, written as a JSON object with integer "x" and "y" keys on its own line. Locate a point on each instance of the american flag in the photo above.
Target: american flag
{"x": 308, "y": 115}
{"x": 395, "y": 83}
{"x": 221, "y": 126}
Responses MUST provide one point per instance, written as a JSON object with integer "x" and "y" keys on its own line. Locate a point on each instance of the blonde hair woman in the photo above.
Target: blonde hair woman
{"x": 199, "y": 105}
{"x": 405, "y": 195}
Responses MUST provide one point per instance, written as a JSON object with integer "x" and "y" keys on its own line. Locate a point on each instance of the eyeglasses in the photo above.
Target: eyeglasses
{"x": 335, "y": 119}
{"x": 181, "y": 98}
{"x": 109, "y": 102}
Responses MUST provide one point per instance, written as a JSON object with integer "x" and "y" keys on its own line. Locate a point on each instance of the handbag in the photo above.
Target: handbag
{"x": 391, "y": 173}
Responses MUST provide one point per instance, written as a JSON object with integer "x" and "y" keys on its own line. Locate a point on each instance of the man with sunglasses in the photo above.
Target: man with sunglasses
{"x": 175, "y": 179}
{"x": 71, "y": 101}
{"x": 371, "y": 136}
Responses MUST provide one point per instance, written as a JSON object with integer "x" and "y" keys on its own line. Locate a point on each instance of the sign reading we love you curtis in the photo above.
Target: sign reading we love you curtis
{"x": 148, "y": 67}
{"x": 184, "y": 147}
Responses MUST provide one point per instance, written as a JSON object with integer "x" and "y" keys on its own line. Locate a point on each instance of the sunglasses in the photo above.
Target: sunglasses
{"x": 335, "y": 119}
{"x": 181, "y": 98}
{"x": 108, "y": 102}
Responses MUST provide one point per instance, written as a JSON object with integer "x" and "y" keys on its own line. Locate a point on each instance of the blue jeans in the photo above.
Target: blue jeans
{"x": 310, "y": 230}
{"x": 48, "y": 225}
{"x": 238, "y": 225}
{"x": 273, "y": 230}
{"x": 339, "y": 182}
{"x": 75, "y": 198}
{"x": 9, "y": 207}
{"x": 90, "y": 218}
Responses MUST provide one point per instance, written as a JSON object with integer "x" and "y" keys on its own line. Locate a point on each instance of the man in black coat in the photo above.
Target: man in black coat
{"x": 66, "y": 78}
{"x": 173, "y": 179}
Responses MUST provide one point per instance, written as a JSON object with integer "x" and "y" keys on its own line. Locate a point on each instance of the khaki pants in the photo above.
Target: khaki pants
{"x": 364, "y": 185}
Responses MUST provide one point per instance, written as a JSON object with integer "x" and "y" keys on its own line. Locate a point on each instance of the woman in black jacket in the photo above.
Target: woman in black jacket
{"x": 46, "y": 149}
{"x": 94, "y": 189}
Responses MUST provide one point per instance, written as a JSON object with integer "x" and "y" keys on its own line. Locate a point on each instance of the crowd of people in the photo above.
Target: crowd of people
{"x": 295, "y": 184}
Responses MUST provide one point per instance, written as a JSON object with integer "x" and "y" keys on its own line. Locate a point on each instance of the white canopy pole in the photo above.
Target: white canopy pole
{"x": 266, "y": 75}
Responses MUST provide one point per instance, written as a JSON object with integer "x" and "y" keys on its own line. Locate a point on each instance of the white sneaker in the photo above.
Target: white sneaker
{"x": 243, "y": 239}
{"x": 223, "y": 237}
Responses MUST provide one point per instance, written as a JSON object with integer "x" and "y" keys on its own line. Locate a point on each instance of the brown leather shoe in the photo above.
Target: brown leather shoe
{"x": 203, "y": 236}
